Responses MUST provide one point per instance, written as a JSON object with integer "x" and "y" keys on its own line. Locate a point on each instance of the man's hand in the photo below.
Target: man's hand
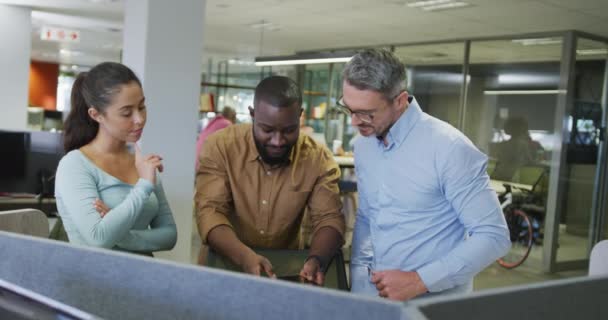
{"x": 255, "y": 264}
{"x": 398, "y": 285}
{"x": 311, "y": 272}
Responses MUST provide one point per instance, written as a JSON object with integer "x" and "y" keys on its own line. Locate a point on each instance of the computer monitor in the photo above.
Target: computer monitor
{"x": 13, "y": 154}
{"x": 19, "y": 303}
{"x": 46, "y": 150}
{"x": 29, "y": 165}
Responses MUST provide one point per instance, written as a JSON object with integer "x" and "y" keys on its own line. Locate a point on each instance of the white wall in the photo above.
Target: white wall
{"x": 15, "y": 36}
{"x": 163, "y": 44}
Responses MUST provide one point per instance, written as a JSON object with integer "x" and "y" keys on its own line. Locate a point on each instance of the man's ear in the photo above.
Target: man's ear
{"x": 402, "y": 98}
{"x": 251, "y": 112}
{"x": 94, "y": 114}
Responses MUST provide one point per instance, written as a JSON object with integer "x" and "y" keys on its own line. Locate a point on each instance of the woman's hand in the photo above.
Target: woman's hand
{"x": 101, "y": 207}
{"x": 147, "y": 165}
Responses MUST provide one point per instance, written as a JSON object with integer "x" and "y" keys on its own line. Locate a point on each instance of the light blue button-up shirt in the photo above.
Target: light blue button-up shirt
{"x": 425, "y": 205}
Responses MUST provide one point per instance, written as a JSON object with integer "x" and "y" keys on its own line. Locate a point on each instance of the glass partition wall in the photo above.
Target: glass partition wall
{"x": 582, "y": 201}
{"x": 435, "y": 76}
{"x": 510, "y": 111}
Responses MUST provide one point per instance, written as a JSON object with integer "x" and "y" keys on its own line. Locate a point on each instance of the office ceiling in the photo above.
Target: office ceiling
{"x": 244, "y": 29}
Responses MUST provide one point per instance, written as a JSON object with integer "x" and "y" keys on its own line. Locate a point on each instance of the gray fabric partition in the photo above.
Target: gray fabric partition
{"x": 576, "y": 298}
{"x": 116, "y": 285}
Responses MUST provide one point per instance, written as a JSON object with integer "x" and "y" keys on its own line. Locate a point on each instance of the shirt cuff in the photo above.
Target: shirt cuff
{"x": 435, "y": 276}
{"x": 144, "y": 185}
{"x": 210, "y": 220}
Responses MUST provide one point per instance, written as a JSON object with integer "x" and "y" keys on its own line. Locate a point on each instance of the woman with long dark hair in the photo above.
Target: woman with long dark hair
{"x": 108, "y": 196}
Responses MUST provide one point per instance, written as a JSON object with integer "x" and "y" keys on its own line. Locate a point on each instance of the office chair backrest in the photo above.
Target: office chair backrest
{"x": 25, "y": 221}
{"x": 598, "y": 262}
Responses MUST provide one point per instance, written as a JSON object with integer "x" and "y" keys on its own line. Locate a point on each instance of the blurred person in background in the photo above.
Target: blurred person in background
{"x": 221, "y": 121}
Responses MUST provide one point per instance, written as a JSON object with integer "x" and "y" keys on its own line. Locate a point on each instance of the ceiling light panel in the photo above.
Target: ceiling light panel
{"x": 447, "y": 6}
{"x": 436, "y": 5}
{"x": 419, "y": 4}
{"x": 591, "y": 52}
{"x": 538, "y": 41}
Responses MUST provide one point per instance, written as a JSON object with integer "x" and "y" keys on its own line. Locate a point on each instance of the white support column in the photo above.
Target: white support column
{"x": 163, "y": 44}
{"x": 16, "y": 39}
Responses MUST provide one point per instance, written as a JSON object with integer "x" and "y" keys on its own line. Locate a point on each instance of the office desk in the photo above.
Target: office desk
{"x": 289, "y": 262}
{"x": 498, "y": 186}
{"x": 347, "y": 183}
{"x": 47, "y": 205}
{"x": 345, "y": 162}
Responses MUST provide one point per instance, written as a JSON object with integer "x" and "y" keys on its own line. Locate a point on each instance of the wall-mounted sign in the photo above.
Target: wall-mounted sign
{"x": 59, "y": 34}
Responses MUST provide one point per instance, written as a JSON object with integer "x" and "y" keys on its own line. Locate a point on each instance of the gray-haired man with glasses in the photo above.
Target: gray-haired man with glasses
{"x": 428, "y": 220}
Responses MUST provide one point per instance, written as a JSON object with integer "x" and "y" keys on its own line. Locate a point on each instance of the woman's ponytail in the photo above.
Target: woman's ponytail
{"x": 79, "y": 128}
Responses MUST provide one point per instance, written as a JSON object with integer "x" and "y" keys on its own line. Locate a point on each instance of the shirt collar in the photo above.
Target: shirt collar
{"x": 253, "y": 150}
{"x": 401, "y": 129}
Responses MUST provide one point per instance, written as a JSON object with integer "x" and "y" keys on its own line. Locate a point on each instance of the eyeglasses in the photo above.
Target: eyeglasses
{"x": 363, "y": 116}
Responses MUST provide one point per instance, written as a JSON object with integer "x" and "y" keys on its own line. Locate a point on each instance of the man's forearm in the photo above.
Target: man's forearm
{"x": 224, "y": 241}
{"x": 325, "y": 242}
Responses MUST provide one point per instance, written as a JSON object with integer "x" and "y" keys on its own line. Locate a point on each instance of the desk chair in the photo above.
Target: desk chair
{"x": 598, "y": 261}
{"x": 31, "y": 222}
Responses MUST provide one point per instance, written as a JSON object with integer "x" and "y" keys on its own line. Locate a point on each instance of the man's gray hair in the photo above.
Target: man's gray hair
{"x": 376, "y": 69}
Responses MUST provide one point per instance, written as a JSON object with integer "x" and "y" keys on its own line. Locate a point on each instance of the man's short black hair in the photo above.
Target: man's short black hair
{"x": 278, "y": 91}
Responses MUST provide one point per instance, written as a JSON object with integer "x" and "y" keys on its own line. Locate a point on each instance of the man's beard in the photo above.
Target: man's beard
{"x": 269, "y": 159}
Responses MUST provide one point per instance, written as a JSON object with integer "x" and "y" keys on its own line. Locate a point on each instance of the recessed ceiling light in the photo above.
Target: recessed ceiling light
{"x": 70, "y": 53}
{"x": 301, "y": 61}
{"x": 591, "y": 52}
{"x": 537, "y": 41}
{"x": 104, "y": 1}
{"x": 521, "y": 92}
{"x": 266, "y": 25}
{"x": 446, "y": 6}
{"x": 426, "y": 3}
{"x": 241, "y": 62}
{"x": 435, "y": 5}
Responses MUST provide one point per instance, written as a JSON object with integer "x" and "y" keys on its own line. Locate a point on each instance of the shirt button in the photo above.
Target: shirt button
{"x": 268, "y": 173}
{"x": 264, "y": 202}
{"x": 261, "y": 231}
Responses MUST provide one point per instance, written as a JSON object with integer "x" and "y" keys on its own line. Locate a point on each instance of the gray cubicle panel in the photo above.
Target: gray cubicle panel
{"x": 116, "y": 285}
{"x": 575, "y": 298}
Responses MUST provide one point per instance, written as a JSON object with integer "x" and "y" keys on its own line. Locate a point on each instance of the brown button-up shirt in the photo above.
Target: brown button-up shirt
{"x": 265, "y": 205}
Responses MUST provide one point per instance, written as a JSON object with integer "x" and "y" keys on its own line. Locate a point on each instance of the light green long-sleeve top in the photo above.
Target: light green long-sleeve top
{"x": 139, "y": 219}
